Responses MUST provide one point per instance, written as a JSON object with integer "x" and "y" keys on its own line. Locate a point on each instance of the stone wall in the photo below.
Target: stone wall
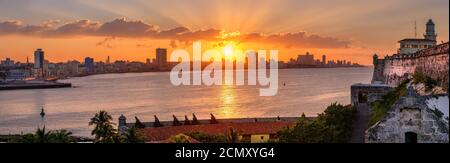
{"x": 372, "y": 92}
{"x": 434, "y": 62}
{"x": 409, "y": 115}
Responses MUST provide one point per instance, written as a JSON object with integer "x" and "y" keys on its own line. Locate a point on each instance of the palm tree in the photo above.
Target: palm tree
{"x": 41, "y": 136}
{"x": 104, "y": 131}
{"x": 62, "y": 136}
{"x": 133, "y": 136}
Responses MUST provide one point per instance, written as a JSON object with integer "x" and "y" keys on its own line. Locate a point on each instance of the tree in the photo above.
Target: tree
{"x": 334, "y": 125}
{"x": 62, "y": 136}
{"x": 133, "y": 135}
{"x": 43, "y": 136}
{"x": 233, "y": 135}
{"x": 207, "y": 138}
{"x": 104, "y": 131}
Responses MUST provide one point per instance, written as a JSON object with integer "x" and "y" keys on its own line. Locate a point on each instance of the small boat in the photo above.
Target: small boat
{"x": 42, "y": 112}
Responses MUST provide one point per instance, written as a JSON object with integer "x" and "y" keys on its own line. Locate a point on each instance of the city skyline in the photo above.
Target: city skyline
{"x": 90, "y": 28}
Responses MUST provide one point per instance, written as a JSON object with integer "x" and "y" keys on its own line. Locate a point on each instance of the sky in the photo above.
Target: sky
{"x": 131, "y": 30}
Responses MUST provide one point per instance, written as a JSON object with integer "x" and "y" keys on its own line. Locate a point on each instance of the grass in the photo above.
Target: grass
{"x": 382, "y": 106}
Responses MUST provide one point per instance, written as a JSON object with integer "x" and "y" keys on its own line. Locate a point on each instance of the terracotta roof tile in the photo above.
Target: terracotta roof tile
{"x": 163, "y": 133}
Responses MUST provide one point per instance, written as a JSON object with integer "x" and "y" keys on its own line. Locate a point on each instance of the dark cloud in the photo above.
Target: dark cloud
{"x": 138, "y": 29}
{"x": 124, "y": 28}
{"x": 106, "y": 42}
{"x": 80, "y": 27}
{"x": 10, "y": 27}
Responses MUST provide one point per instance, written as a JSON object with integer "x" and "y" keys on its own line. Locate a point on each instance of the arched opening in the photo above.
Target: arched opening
{"x": 410, "y": 137}
{"x": 362, "y": 97}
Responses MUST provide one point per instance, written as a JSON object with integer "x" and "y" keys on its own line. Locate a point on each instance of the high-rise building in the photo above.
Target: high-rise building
{"x": 89, "y": 64}
{"x": 38, "y": 59}
{"x": 307, "y": 59}
{"x": 161, "y": 56}
{"x": 324, "y": 59}
{"x": 108, "y": 61}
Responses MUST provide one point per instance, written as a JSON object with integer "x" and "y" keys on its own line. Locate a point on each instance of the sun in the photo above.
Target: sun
{"x": 228, "y": 51}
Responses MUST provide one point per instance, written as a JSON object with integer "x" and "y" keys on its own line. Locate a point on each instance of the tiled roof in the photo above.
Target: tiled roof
{"x": 163, "y": 133}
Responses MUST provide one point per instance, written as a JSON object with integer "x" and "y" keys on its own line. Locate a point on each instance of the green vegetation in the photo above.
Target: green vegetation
{"x": 438, "y": 113}
{"x": 420, "y": 77}
{"x": 231, "y": 136}
{"x": 104, "y": 131}
{"x": 43, "y": 136}
{"x": 207, "y": 138}
{"x": 181, "y": 138}
{"x": 382, "y": 106}
{"x": 332, "y": 126}
{"x": 133, "y": 135}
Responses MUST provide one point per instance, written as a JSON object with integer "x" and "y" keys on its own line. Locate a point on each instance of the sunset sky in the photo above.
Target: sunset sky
{"x": 132, "y": 29}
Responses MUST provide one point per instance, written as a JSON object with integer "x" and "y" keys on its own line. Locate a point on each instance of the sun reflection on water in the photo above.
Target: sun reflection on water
{"x": 228, "y": 102}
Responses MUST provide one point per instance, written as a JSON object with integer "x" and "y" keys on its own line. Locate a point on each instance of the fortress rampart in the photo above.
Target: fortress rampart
{"x": 434, "y": 62}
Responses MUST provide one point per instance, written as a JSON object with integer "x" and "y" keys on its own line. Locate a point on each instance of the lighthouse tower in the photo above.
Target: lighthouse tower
{"x": 430, "y": 33}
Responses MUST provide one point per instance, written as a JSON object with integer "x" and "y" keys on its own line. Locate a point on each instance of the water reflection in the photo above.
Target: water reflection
{"x": 228, "y": 101}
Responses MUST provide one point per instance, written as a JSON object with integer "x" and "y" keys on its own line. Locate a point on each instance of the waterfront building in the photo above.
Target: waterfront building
{"x": 7, "y": 62}
{"x": 89, "y": 65}
{"x": 307, "y": 59}
{"x": 161, "y": 56}
{"x": 38, "y": 59}
{"x": 39, "y": 63}
{"x": 413, "y": 45}
{"x": 324, "y": 59}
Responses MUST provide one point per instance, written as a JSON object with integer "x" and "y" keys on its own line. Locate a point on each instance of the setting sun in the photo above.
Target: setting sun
{"x": 228, "y": 51}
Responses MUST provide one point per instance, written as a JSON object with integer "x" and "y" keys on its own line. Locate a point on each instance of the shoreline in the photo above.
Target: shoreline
{"x": 17, "y": 86}
{"x": 85, "y": 75}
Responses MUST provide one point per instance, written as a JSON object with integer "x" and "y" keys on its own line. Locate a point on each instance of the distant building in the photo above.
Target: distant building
{"x": 307, "y": 59}
{"x": 412, "y": 45}
{"x": 38, "y": 59}
{"x": 89, "y": 64}
{"x": 161, "y": 56}
{"x": 7, "y": 62}
{"x": 324, "y": 59}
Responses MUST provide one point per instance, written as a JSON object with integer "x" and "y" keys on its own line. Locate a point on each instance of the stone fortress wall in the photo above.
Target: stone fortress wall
{"x": 432, "y": 61}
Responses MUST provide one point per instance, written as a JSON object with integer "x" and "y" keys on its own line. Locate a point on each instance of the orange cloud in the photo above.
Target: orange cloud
{"x": 138, "y": 29}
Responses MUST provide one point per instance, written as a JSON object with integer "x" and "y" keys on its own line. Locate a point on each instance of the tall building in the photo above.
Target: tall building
{"x": 108, "y": 61}
{"x": 89, "y": 64}
{"x": 38, "y": 59}
{"x": 161, "y": 56}
{"x": 307, "y": 59}
{"x": 324, "y": 59}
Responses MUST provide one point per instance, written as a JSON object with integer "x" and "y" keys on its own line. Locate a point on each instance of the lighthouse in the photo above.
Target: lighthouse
{"x": 430, "y": 33}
